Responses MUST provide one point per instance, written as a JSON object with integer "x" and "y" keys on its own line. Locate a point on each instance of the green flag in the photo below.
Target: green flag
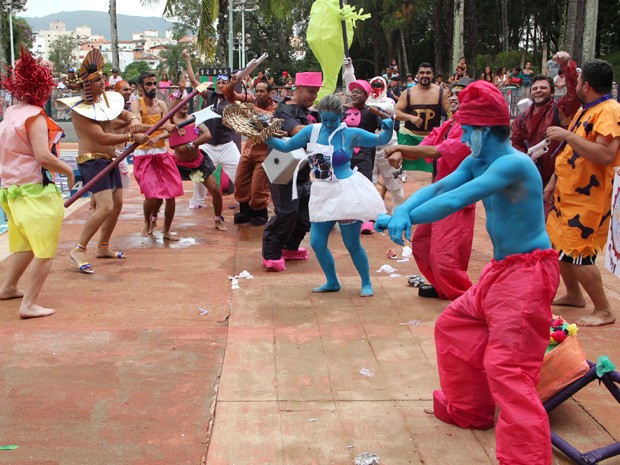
{"x": 325, "y": 39}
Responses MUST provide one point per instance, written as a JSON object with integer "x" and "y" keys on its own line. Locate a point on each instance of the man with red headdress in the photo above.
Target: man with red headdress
{"x": 32, "y": 202}
{"x": 92, "y": 116}
{"x": 491, "y": 341}
{"x": 442, "y": 249}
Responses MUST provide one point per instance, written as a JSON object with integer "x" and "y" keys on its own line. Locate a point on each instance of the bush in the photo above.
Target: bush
{"x": 134, "y": 70}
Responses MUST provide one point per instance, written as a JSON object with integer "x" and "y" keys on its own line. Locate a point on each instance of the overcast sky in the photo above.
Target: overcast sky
{"x": 38, "y": 8}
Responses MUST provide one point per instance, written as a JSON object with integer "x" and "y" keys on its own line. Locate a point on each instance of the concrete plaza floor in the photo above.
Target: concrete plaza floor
{"x": 155, "y": 360}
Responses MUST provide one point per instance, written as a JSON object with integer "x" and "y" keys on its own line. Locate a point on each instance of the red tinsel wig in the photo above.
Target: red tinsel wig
{"x": 29, "y": 81}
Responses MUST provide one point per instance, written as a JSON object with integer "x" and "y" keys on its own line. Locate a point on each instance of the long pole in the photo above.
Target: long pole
{"x": 133, "y": 146}
{"x": 230, "y": 34}
{"x": 344, "y": 33}
{"x": 11, "y": 34}
{"x": 243, "y": 35}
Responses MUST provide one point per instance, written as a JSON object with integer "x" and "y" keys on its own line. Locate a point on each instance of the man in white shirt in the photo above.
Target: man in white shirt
{"x": 114, "y": 78}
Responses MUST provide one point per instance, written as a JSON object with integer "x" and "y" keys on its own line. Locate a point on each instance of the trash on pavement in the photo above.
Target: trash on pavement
{"x": 234, "y": 280}
{"x": 367, "y": 459}
{"x": 386, "y": 269}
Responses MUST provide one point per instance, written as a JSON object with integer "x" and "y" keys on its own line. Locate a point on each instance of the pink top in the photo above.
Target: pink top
{"x": 17, "y": 163}
{"x": 184, "y": 135}
{"x": 164, "y": 84}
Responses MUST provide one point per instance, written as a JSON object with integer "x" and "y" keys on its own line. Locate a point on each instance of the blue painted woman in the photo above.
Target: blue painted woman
{"x": 339, "y": 193}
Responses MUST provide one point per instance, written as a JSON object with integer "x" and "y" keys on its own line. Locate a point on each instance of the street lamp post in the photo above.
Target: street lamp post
{"x": 10, "y": 5}
{"x": 243, "y": 6}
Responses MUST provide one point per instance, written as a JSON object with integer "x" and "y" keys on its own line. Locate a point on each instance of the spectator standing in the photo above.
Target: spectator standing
{"x": 388, "y": 74}
{"x": 552, "y": 67}
{"x": 394, "y": 90}
{"x": 72, "y": 81}
{"x": 488, "y": 75}
{"x": 460, "y": 74}
{"x": 501, "y": 78}
{"x": 394, "y": 66}
{"x": 527, "y": 73}
{"x": 516, "y": 77}
{"x": 114, "y": 78}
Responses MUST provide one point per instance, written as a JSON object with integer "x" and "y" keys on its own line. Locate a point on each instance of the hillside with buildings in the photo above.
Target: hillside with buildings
{"x": 135, "y": 44}
{"x": 99, "y": 22}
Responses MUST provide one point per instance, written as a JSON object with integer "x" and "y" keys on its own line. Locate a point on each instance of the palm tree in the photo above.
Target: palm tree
{"x": 114, "y": 33}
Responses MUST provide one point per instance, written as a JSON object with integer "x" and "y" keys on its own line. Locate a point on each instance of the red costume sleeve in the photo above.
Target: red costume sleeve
{"x": 519, "y": 134}
{"x": 569, "y": 104}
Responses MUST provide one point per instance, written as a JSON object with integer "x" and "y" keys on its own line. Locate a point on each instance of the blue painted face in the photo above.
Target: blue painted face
{"x": 330, "y": 120}
{"x": 472, "y": 137}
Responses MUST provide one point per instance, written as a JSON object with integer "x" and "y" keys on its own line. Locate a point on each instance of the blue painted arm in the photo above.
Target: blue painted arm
{"x": 362, "y": 138}
{"x": 495, "y": 179}
{"x": 401, "y": 222}
{"x": 298, "y": 141}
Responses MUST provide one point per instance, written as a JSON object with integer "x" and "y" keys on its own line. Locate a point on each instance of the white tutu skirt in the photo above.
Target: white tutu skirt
{"x": 353, "y": 198}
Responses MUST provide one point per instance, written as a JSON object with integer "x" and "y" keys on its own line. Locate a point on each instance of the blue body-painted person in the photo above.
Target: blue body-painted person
{"x": 491, "y": 341}
{"x": 339, "y": 193}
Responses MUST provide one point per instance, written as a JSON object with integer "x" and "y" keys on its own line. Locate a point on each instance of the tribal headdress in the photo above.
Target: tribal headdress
{"x": 89, "y": 71}
{"x": 29, "y": 81}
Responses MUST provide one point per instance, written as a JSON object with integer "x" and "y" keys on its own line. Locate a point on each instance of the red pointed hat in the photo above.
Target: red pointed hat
{"x": 482, "y": 104}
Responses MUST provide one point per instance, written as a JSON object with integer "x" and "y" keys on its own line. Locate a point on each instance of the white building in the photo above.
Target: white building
{"x": 44, "y": 38}
{"x": 144, "y": 45}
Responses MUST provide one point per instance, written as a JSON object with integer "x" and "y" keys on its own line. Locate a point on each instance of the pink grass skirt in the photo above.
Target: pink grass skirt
{"x": 157, "y": 176}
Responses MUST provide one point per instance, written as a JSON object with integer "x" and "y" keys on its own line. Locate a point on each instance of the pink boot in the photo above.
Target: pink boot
{"x": 368, "y": 227}
{"x": 299, "y": 254}
{"x": 274, "y": 265}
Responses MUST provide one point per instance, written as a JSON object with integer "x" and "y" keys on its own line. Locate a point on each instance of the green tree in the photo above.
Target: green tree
{"x": 22, "y": 36}
{"x": 210, "y": 12}
{"x": 134, "y": 70}
{"x": 61, "y": 52}
{"x": 173, "y": 63}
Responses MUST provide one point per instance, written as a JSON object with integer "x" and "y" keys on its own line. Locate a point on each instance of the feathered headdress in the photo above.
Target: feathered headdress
{"x": 89, "y": 71}
{"x": 29, "y": 81}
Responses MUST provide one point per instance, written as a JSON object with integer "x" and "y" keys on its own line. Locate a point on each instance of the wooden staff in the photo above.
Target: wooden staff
{"x": 129, "y": 150}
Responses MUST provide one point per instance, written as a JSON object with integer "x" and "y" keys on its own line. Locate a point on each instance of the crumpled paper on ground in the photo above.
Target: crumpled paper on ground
{"x": 386, "y": 269}
{"x": 234, "y": 280}
{"x": 367, "y": 459}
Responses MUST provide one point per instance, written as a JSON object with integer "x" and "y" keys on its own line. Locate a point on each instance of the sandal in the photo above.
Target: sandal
{"x": 85, "y": 267}
{"x": 117, "y": 254}
{"x": 219, "y": 223}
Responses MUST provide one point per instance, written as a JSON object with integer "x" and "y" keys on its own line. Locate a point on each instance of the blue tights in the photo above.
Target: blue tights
{"x": 319, "y": 235}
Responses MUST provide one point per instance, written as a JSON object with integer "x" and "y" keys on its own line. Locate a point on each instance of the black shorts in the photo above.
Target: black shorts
{"x": 579, "y": 260}
{"x": 207, "y": 168}
{"x": 91, "y": 168}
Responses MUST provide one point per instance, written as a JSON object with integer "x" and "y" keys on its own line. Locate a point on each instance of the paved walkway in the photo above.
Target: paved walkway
{"x": 155, "y": 360}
